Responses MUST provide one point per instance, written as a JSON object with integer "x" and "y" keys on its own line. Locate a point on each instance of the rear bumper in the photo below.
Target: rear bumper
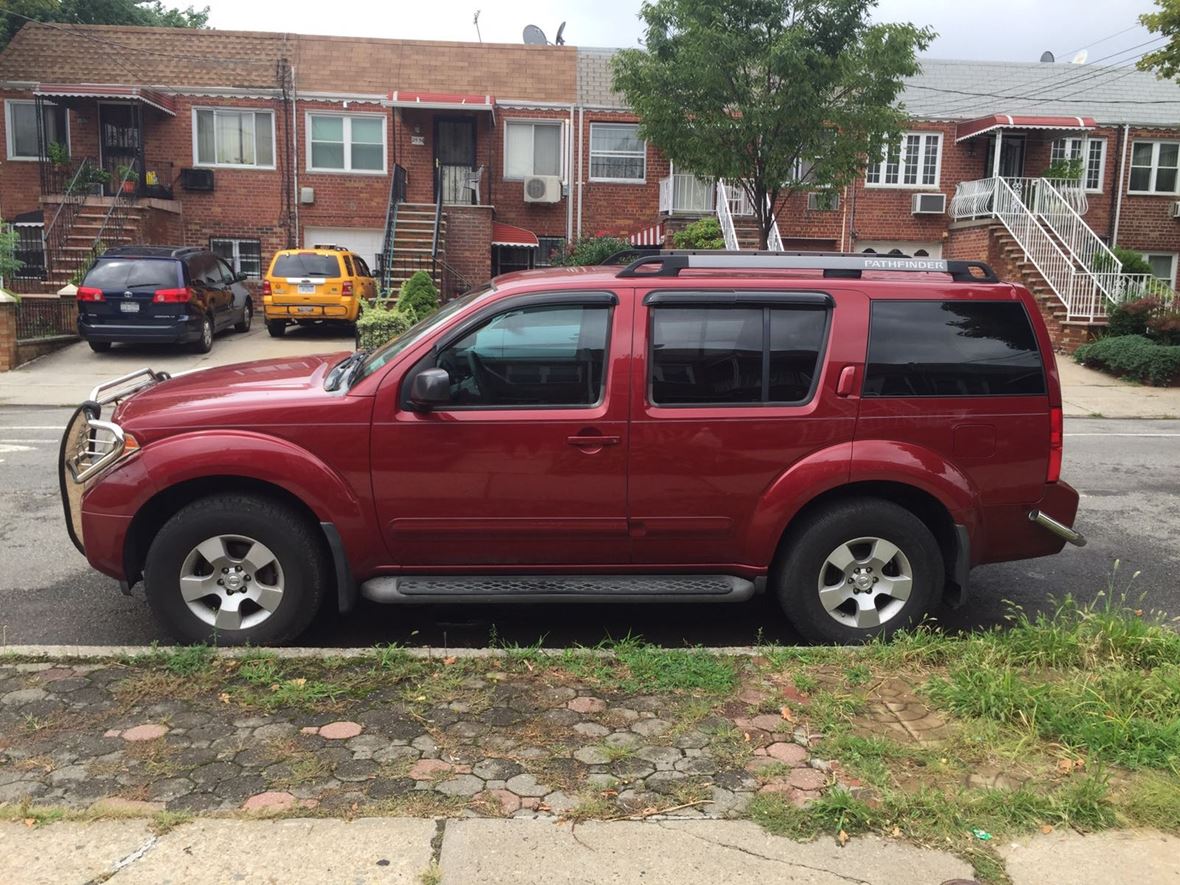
{"x": 159, "y": 330}
{"x": 1009, "y": 532}
{"x": 298, "y": 311}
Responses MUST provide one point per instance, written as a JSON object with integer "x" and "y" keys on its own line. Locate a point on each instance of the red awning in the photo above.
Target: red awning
{"x": 150, "y": 97}
{"x": 442, "y": 101}
{"x": 649, "y": 236}
{"x": 993, "y": 122}
{"x": 510, "y": 235}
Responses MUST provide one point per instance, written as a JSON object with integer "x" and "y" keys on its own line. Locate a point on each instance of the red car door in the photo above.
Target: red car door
{"x": 527, "y": 465}
{"x": 730, "y": 391}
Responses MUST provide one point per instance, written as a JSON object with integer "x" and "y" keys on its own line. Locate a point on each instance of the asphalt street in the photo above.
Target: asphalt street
{"x": 1127, "y": 471}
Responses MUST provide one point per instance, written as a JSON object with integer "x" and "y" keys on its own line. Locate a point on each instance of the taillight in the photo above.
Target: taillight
{"x": 87, "y": 293}
{"x": 266, "y": 287}
{"x": 346, "y": 288}
{"x": 1056, "y": 444}
{"x": 172, "y": 296}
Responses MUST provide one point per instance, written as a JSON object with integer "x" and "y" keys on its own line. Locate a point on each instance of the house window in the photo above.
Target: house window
{"x": 506, "y": 259}
{"x": 1163, "y": 266}
{"x": 345, "y": 143}
{"x": 617, "y": 153}
{"x": 912, "y": 161}
{"x": 1154, "y": 166}
{"x": 549, "y": 250}
{"x": 1074, "y": 148}
{"x": 244, "y": 256}
{"x": 21, "y": 126}
{"x": 234, "y": 138}
{"x": 532, "y": 149}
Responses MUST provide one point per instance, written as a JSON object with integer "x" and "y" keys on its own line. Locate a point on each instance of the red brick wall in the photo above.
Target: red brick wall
{"x": 469, "y": 237}
{"x": 623, "y": 208}
{"x": 1146, "y": 222}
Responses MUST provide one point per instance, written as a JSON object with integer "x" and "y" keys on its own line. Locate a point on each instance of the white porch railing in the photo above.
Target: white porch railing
{"x": 683, "y": 193}
{"x": 774, "y": 241}
{"x": 725, "y": 216}
{"x": 973, "y": 198}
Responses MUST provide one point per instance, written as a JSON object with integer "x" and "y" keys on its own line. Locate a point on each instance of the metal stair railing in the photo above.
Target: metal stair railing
{"x": 774, "y": 240}
{"x": 397, "y": 195}
{"x": 725, "y": 217}
{"x": 57, "y": 232}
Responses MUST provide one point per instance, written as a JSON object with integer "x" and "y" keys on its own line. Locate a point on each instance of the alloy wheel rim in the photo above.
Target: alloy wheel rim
{"x": 207, "y": 332}
{"x": 231, "y": 582}
{"x": 865, "y": 583}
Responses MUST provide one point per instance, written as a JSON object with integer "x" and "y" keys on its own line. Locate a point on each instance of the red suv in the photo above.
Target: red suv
{"x": 851, "y": 434}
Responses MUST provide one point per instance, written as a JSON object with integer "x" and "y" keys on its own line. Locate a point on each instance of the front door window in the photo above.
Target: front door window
{"x": 120, "y": 143}
{"x": 454, "y": 149}
{"x": 1011, "y": 156}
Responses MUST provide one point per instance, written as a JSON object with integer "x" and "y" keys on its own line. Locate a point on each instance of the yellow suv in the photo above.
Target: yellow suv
{"x": 320, "y": 284}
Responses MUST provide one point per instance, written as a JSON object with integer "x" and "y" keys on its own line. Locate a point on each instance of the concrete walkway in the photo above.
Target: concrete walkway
{"x": 1088, "y": 393}
{"x": 529, "y": 852}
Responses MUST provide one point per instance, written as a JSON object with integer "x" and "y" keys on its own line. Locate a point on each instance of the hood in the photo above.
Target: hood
{"x": 260, "y": 392}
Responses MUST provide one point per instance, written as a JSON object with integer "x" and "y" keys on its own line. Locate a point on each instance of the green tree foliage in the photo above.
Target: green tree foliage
{"x": 704, "y": 233}
{"x": 592, "y": 250}
{"x": 1165, "y": 21}
{"x": 9, "y": 263}
{"x": 14, "y": 14}
{"x": 418, "y": 298}
{"x": 775, "y": 94}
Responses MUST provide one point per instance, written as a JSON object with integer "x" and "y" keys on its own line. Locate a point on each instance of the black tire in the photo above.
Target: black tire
{"x": 204, "y": 344}
{"x": 276, "y": 328}
{"x": 297, "y": 551}
{"x": 804, "y": 563}
{"x": 99, "y": 346}
{"x": 247, "y": 317}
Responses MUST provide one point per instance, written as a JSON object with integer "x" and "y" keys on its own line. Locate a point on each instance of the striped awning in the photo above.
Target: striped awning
{"x": 992, "y": 122}
{"x": 511, "y": 235}
{"x": 441, "y": 101}
{"x": 649, "y": 236}
{"x": 149, "y": 97}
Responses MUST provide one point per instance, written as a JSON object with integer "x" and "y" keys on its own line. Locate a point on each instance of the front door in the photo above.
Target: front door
{"x": 119, "y": 142}
{"x": 454, "y": 151}
{"x": 527, "y": 463}
{"x": 1011, "y": 156}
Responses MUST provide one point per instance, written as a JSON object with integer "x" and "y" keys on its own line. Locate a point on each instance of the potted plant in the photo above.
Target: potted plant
{"x": 129, "y": 177}
{"x": 58, "y": 155}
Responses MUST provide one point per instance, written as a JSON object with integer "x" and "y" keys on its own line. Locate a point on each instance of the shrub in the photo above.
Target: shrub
{"x": 1131, "y": 317}
{"x": 418, "y": 298}
{"x": 1135, "y": 356}
{"x": 705, "y": 233}
{"x": 1164, "y": 327}
{"x": 591, "y": 250}
{"x": 379, "y": 324}
{"x": 1133, "y": 262}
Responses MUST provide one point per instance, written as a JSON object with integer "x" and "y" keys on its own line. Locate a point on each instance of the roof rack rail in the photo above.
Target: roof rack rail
{"x": 833, "y": 264}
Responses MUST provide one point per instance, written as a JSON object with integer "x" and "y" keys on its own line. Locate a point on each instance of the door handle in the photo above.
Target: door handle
{"x": 847, "y": 381}
{"x": 593, "y": 441}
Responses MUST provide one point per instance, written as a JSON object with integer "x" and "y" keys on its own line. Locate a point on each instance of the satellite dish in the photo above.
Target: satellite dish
{"x": 560, "y": 40}
{"x": 1047, "y": 57}
{"x": 534, "y": 36}
{"x": 1080, "y": 58}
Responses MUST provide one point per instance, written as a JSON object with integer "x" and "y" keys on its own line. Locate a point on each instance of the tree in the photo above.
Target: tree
{"x": 14, "y": 14}
{"x": 771, "y": 95}
{"x": 1165, "y": 61}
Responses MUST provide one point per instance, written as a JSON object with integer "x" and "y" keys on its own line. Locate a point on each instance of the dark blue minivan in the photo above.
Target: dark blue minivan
{"x": 161, "y": 295}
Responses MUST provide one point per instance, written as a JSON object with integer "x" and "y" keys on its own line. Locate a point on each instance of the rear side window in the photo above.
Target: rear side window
{"x": 347, "y": 266}
{"x": 952, "y": 348}
{"x": 734, "y": 355}
{"x": 132, "y": 273}
{"x": 306, "y": 264}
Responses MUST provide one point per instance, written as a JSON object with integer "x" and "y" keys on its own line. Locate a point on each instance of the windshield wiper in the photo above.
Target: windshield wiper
{"x": 338, "y": 371}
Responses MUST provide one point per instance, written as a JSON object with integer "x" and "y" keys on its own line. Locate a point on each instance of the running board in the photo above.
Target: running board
{"x": 558, "y": 588}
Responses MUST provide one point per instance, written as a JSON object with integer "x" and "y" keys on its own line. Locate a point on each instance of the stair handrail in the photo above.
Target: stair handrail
{"x": 774, "y": 240}
{"x": 438, "y": 204}
{"x": 397, "y": 195}
{"x": 57, "y": 233}
{"x": 117, "y": 213}
{"x": 725, "y": 217}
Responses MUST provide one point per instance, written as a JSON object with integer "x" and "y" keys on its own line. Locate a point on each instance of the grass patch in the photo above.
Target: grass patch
{"x": 637, "y": 667}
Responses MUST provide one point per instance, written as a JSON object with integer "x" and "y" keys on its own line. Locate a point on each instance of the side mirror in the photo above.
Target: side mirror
{"x": 430, "y": 388}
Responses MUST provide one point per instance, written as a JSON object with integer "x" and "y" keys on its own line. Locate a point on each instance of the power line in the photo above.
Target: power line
{"x": 1104, "y": 39}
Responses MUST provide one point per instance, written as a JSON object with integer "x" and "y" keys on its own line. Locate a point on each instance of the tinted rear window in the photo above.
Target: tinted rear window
{"x": 306, "y": 264}
{"x": 132, "y": 273}
{"x": 952, "y": 348}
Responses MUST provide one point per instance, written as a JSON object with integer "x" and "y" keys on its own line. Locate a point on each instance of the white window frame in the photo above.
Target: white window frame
{"x": 901, "y": 158}
{"x": 1155, "y": 165}
{"x": 10, "y": 132}
{"x": 1081, "y": 142}
{"x": 629, "y": 154}
{"x": 1171, "y": 256}
{"x": 274, "y": 138}
{"x": 235, "y": 262}
{"x": 561, "y": 148}
{"x": 347, "y": 135}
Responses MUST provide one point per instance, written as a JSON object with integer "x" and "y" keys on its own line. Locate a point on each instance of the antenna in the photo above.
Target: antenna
{"x": 1048, "y": 57}
{"x": 534, "y": 36}
{"x": 476, "y": 23}
{"x": 560, "y": 40}
{"x": 1080, "y": 58}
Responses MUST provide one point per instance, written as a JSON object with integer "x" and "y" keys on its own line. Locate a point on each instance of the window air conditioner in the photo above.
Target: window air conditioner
{"x": 929, "y": 204}
{"x": 823, "y": 201}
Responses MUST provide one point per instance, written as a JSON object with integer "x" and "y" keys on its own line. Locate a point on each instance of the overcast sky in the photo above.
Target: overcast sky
{"x": 1011, "y": 30}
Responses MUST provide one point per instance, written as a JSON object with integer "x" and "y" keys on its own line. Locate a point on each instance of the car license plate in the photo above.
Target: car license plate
{"x": 305, "y": 309}
{"x": 307, "y": 288}
{"x": 129, "y": 306}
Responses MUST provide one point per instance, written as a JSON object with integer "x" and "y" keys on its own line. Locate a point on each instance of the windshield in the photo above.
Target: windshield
{"x": 131, "y": 273}
{"x": 306, "y": 264}
{"x": 394, "y": 346}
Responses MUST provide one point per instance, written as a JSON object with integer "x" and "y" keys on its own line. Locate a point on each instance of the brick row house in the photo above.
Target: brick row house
{"x": 469, "y": 160}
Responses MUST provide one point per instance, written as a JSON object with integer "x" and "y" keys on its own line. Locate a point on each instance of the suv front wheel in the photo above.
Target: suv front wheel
{"x": 860, "y": 569}
{"x": 235, "y": 569}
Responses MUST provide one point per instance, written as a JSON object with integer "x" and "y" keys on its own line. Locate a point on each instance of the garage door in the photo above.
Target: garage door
{"x": 366, "y": 242}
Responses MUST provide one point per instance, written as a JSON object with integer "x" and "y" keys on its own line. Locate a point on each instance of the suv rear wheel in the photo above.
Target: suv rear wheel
{"x": 235, "y": 569}
{"x": 861, "y": 569}
{"x": 276, "y": 328}
{"x": 247, "y": 316}
{"x": 99, "y": 346}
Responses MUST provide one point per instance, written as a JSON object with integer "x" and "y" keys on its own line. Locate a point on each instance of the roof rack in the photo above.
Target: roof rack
{"x": 833, "y": 264}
